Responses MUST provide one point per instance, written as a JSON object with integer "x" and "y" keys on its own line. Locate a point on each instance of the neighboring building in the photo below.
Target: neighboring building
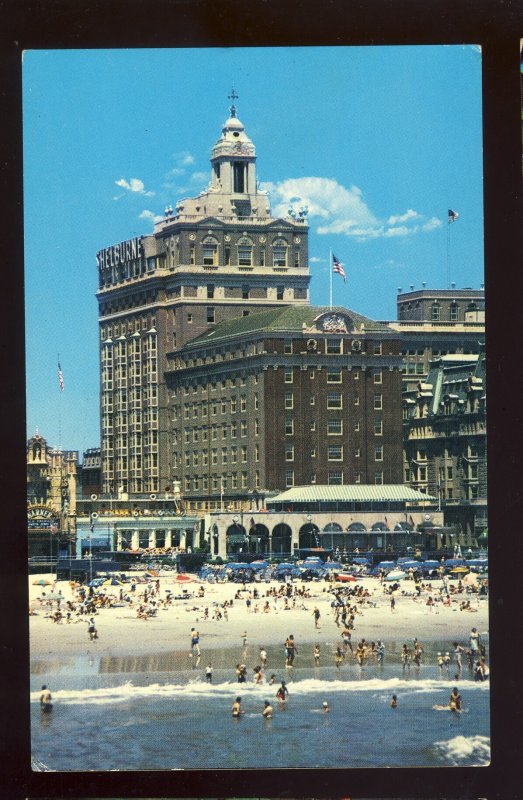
{"x": 341, "y": 519}
{"x": 442, "y": 305}
{"x": 445, "y": 440}
{"x": 51, "y": 497}
{"x": 436, "y": 323}
{"x": 218, "y": 256}
{"x": 90, "y": 472}
{"x": 293, "y": 396}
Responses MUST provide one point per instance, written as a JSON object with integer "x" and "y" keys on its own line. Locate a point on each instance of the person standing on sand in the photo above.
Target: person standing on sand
{"x": 316, "y": 653}
{"x": 45, "y": 699}
{"x": 263, "y": 657}
{"x": 195, "y": 642}
{"x": 392, "y": 604}
{"x": 316, "y": 614}
{"x": 208, "y": 673}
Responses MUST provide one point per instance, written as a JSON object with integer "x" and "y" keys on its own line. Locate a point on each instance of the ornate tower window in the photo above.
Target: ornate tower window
{"x": 279, "y": 253}
{"x": 245, "y": 252}
{"x": 210, "y": 251}
{"x": 239, "y": 177}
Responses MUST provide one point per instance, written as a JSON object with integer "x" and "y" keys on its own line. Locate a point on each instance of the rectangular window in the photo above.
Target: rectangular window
{"x": 279, "y": 256}
{"x": 233, "y": 405}
{"x": 210, "y": 253}
{"x": 313, "y": 452}
{"x": 224, "y": 406}
{"x": 377, "y": 375}
{"x": 335, "y": 478}
{"x": 334, "y": 346}
{"x": 289, "y": 478}
{"x": 257, "y": 452}
{"x": 378, "y": 402}
{"x": 256, "y": 427}
{"x": 243, "y": 403}
{"x": 262, "y": 258}
{"x": 334, "y": 376}
{"x": 356, "y": 374}
{"x": 289, "y": 400}
{"x": 243, "y": 429}
{"x": 210, "y": 315}
{"x": 214, "y": 456}
{"x": 289, "y": 427}
{"x": 234, "y": 455}
{"x": 244, "y": 454}
{"x": 224, "y": 430}
{"x": 335, "y": 452}
{"x": 214, "y": 433}
{"x": 244, "y": 255}
{"x": 289, "y": 452}
{"x": 454, "y": 313}
{"x": 313, "y": 424}
{"x": 356, "y": 426}
{"x": 234, "y": 481}
{"x": 378, "y": 426}
{"x": 334, "y": 400}
{"x": 191, "y": 255}
{"x": 224, "y": 455}
{"x": 357, "y": 477}
{"x": 378, "y": 478}
{"x": 378, "y": 453}
{"x": 245, "y": 292}
{"x": 377, "y": 348}
{"x": 287, "y": 346}
{"x": 234, "y": 429}
{"x": 210, "y": 290}
{"x": 357, "y": 452}
{"x": 334, "y": 427}
{"x": 422, "y": 474}
{"x": 289, "y": 375}
{"x": 256, "y": 401}
{"x": 435, "y": 312}
{"x": 227, "y": 255}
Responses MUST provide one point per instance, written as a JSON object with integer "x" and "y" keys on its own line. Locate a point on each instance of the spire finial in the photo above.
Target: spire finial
{"x": 233, "y": 96}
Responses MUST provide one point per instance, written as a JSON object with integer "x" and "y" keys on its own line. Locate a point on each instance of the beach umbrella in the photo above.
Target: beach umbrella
{"x": 363, "y": 561}
{"x": 112, "y": 582}
{"x": 42, "y": 582}
{"x": 459, "y": 570}
{"x": 395, "y": 575}
{"x": 386, "y": 564}
{"x": 183, "y": 578}
{"x": 345, "y": 578}
{"x": 471, "y": 578}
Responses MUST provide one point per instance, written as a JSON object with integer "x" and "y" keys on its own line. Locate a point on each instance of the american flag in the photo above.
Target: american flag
{"x": 453, "y": 215}
{"x": 60, "y": 377}
{"x": 337, "y": 266}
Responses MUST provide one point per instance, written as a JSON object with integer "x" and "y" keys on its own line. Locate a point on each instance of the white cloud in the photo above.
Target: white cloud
{"x": 198, "y": 177}
{"x": 316, "y": 260}
{"x": 342, "y": 210}
{"x": 134, "y": 185}
{"x": 150, "y": 216}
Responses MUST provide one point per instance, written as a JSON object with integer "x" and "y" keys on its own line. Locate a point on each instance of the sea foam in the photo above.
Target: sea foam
{"x": 465, "y": 749}
{"x": 130, "y": 692}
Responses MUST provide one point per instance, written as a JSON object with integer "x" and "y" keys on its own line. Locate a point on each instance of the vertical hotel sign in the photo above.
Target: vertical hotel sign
{"x": 119, "y": 254}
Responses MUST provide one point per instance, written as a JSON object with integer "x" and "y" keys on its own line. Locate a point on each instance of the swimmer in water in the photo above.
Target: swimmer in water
{"x": 282, "y": 693}
{"x": 45, "y": 699}
{"x": 455, "y": 701}
{"x": 267, "y": 711}
{"x": 326, "y": 707}
{"x": 236, "y": 708}
{"x": 394, "y": 701}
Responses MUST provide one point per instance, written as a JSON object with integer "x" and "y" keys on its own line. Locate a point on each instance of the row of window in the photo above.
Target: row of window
{"x": 210, "y": 253}
{"x": 334, "y": 401}
{"x": 215, "y": 483}
{"x": 334, "y": 478}
{"x": 334, "y": 426}
{"x": 334, "y": 452}
{"x": 333, "y": 346}
{"x": 335, "y": 375}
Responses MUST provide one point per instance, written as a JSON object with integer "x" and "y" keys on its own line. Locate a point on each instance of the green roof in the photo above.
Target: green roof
{"x": 353, "y": 493}
{"x": 286, "y": 319}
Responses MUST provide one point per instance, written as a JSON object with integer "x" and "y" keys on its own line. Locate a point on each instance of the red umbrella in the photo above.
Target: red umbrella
{"x": 183, "y": 578}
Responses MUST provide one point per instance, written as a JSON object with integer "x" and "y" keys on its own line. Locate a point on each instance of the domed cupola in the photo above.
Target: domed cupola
{"x": 233, "y": 158}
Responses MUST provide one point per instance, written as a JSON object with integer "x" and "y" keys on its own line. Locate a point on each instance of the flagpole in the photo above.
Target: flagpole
{"x": 330, "y": 281}
{"x": 59, "y": 415}
{"x": 448, "y": 248}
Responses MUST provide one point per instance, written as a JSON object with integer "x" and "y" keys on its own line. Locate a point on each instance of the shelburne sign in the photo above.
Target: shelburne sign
{"x": 119, "y": 253}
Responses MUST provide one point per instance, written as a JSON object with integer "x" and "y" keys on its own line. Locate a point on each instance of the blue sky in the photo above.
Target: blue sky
{"x": 379, "y": 142}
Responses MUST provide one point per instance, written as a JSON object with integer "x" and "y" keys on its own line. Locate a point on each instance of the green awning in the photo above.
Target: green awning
{"x": 236, "y": 538}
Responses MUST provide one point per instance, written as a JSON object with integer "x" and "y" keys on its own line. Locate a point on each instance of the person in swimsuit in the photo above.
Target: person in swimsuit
{"x": 326, "y": 707}
{"x": 455, "y": 702}
{"x": 45, "y": 699}
{"x": 236, "y": 708}
{"x": 267, "y": 711}
{"x": 394, "y": 701}
{"x": 282, "y": 693}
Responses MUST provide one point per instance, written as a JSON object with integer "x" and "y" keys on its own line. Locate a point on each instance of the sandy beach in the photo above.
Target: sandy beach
{"x": 121, "y": 633}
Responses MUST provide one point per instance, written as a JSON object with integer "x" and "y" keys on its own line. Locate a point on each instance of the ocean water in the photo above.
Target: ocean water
{"x": 158, "y": 712}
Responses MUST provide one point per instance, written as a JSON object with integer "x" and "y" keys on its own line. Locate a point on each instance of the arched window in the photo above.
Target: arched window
{"x": 245, "y": 252}
{"x": 210, "y": 251}
{"x": 454, "y": 312}
{"x": 279, "y": 253}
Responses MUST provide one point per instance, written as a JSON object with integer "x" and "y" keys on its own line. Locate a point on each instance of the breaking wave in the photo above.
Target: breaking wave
{"x": 130, "y": 692}
{"x": 461, "y": 750}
